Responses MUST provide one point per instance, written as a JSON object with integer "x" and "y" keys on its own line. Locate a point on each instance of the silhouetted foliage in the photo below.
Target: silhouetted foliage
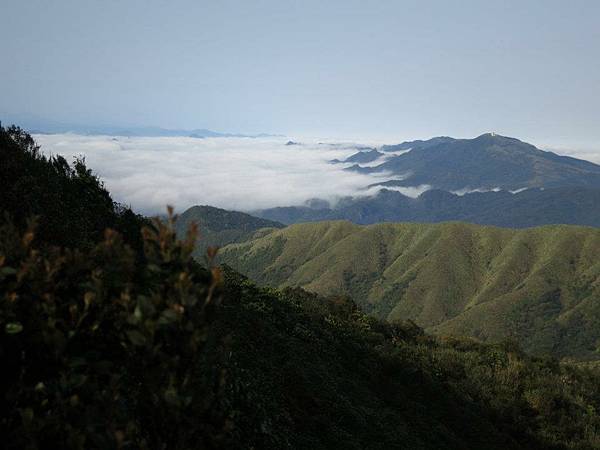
{"x": 92, "y": 358}
{"x": 72, "y": 206}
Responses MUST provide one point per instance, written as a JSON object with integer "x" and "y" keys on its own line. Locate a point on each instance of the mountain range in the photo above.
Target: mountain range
{"x": 491, "y": 180}
{"x": 531, "y": 207}
{"x": 37, "y": 125}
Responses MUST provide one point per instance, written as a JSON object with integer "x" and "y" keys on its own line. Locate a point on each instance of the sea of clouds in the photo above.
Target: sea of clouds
{"x": 245, "y": 174}
{"x": 233, "y": 173}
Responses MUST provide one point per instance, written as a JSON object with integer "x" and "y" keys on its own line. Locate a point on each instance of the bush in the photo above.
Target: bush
{"x": 93, "y": 359}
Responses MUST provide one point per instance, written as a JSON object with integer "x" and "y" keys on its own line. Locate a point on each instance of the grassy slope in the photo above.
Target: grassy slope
{"x": 539, "y": 285}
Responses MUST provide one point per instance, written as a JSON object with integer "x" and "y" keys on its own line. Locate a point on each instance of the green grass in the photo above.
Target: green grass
{"x": 540, "y": 286}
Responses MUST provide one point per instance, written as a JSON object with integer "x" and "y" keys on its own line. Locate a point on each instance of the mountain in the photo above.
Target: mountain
{"x": 37, "y": 125}
{"x": 220, "y": 227}
{"x": 418, "y": 144}
{"x": 540, "y": 286}
{"x": 487, "y": 162}
{"x": 362, "y": 157}
{"x": 531, "y": 207}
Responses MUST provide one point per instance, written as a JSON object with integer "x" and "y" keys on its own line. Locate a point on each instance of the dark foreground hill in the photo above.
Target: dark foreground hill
{"x": 220, "y": 227}
{"x": 71, "y": 204}
{"x": 532, "y": 207}
{"x": 103, "y": 345}
{"x": 540, "y": 286}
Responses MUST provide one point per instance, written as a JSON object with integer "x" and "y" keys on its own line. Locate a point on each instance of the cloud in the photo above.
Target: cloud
{"x": 234, "y": 173}
{"x": 408, "y": 191}
{"x": 468, "y": 190}
{"x": 591, "y": 154}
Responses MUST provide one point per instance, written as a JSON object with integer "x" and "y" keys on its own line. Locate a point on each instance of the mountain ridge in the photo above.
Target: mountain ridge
{"x": 453, "y": 278}
{"x": 486, "y": 162}
{"x": 220, "y": 227}
{"x": 38, "y": 125}
{"x": 527, "y": 208}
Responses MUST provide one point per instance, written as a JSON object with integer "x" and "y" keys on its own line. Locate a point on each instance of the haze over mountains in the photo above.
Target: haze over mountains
{"x": 132, "y": 131}
{"x": 532, "y": 207}
{"x": 491, "y": 179}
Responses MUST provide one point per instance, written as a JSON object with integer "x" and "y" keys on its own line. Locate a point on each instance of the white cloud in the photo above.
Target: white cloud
{"x": 589, "y": 153}
{"x": 517, "y": 191}
{"x": 390, "y": 154}
{"x": 383, "y": 158}
{"x": 409, "y": 191}
{"x": 234, "y": 173}
{"x": 468, "y": 190}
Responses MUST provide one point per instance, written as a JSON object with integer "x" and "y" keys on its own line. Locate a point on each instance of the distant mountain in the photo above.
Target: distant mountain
{"x": 218, "y": 227}
{"x": 539, "y": 286}
{"x": 418, "y": 144}
{"x": 362, "y": 157}
{"x": 36, "y": 125}
{"x": 139, "y": 132}
{"x": 531, "y": 207}
{"x": 487, "y": 162}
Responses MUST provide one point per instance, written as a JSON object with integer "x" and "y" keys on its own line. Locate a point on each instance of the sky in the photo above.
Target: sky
{"x": 390, "y": 70}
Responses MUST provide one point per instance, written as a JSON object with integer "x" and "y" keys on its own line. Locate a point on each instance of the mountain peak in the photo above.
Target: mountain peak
{"x": 486, "y": 162}
{"x": 495, "y": 137}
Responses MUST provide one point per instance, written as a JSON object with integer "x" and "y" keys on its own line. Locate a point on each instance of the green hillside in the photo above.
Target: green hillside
{"x": 539, "y": 286}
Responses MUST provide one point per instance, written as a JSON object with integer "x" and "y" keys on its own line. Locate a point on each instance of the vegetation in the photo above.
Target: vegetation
{"x": 539, "y": 286}
{"x": 102, "y": 347}
{"x": 99, "y": 353}
{"x": 70, "y": 203}
{"x": 532, "y": 207}
{"x": 220, "y": 227}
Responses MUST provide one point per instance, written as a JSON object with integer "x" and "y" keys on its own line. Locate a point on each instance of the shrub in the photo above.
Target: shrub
{"x": 93, "y": 358}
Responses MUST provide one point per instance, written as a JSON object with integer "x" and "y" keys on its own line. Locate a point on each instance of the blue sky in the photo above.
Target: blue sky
{"x": 380, "y": 69}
